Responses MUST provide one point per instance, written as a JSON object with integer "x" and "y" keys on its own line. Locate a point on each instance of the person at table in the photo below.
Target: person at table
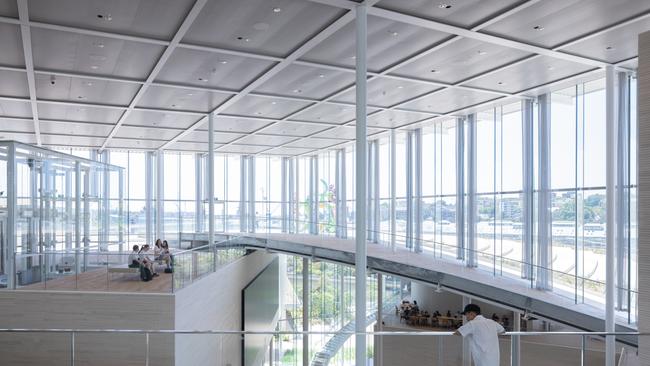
{"x": 134, "y": 259}
{"x": 482, "y": 334}
{"x": 448, "y": 314}
{"x": 145, "y": 259}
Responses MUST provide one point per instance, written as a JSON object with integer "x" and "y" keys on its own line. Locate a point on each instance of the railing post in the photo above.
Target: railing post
{"x": 146, "y": 355}
{"x": 582, "y": 350}
{"x": 72, "y": 349}
{"x": 440, "y": 361}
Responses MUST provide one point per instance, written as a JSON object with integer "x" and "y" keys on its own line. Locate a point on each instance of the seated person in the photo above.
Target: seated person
{"x": 448, "y": 314}
{"x": 165, "y": 255}
{"x": 146, "y": 260}
{"x": 157, "y": 248}
{"x": 134, "y": 259}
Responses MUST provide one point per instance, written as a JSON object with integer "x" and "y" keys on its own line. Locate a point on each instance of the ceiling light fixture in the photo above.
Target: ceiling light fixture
{"x": 274, "y": 103}
{"x": 550, "y": 68}
{"x": 400, "y": 87}
{"x": 482, "y": 53}
{"x": 245, "y": 39}
{"x": 538, "y": 28}
{"x": 88, "y": 83}
{"x": 444, "y": 6}
{"x": 223, "y": 62}
{"x": 609, "y": 48}
{"x": 501, "y": 83}
{"x": 277, "y": 10}
{"x": 94, "y": 67}
{"x": 434, "y": 71}
{"x": 393, "y": 33}
{"x": 105, "y": 17}
{"x": 99, "y": 44}
{"x": 321, "y": 75}
{"x": 203, "y": 80}
{"x": 297, "y": 91}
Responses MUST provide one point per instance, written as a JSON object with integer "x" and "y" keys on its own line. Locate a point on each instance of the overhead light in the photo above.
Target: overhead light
{"x": 277, "y": 10}
{"x": 245, "y": 39}
{"x": 94, "y": 67}
{"x": 353, "y": 57}
{"x": 88, "y": 83}
{"x": 274, "y": 102}
{"x": 81, "y": 97}
{"x": 400, "y": 87}
{"x": 609, "y": 48}
{"x": 550, "y": 68}
{"x": 203, "y": 80}
{"x": 98, "y": 44}
{"x": 223, "y": 62}
{"x": 297, "y": 91}
{"x": 482, "y": 53}
{"x": 190, "y": 94}
{"x": 321, "y": 75}
{"x": 434, "y": 71}
{"x": 105, "y": 17}
{"x": 174, "y": 106}
{"x": 538, "y": 28}
{"x": 501, "y": 83}
{"x": 393, "y": 33}
{"x": 444, "y": 6}
{"x": 260, "y": 113}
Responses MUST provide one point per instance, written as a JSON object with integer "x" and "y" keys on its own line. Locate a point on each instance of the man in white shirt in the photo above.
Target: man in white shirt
{"x": 482, "y": 335}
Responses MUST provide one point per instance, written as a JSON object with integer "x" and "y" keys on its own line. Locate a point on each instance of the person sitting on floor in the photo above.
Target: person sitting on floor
{"x": 134, "y": 260}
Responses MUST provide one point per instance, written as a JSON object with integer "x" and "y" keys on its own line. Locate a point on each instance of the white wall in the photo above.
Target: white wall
{"x": 214, "y": 303}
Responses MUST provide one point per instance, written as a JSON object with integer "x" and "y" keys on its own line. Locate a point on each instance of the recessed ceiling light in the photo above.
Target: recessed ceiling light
{"x": 353, "y": 57}
{"x": 174, "y": 105}
{"x": 609, "y": 48}
{"x": 277, "y": 10}
{"x": 203, "y": 80}
{"x": 393, "y": 33}
{"x": 245, "y": 39}
{"x": 105, "y": 17}
{"x": 259, "y": 113}
{"x": 444, "y": 6}
{"x": 501, "y": 83}
{"x": 274, "y": 102}
{"x": 538, "y": 28}
{"x": 400, "y": 87}
{"x": 223, "y": 62}
{"x": 88, "y": 83}
{"x": 434, "y": 71}
{"x": 297, "y": 91}
{"x": 482, "y": 53}
{"x": 550, "y": 68}
{"x": 94, "y": 67}
{"x": 99, "y": 44}
{"x": 190, "y": 94}
{"x": 321, "y": 75}
{"x": 81, "y": 97}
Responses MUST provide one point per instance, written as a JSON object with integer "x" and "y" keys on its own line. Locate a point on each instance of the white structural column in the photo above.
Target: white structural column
{"x": 292, "y": 196}
{"x": 341, "y": 195}
{"x": 467, "y": 355}
{"x": 543, "y": 260}
{"x": 472, "y": 211}
{"x": 250, "y": 181}
{"x": 409, "y": 190}
{"x": 284, "y": 194}
{"x": 373, "y": 191}
{"x": 393, "y": 183}
{"x": 12, "y": 203}
{"x": 313, "y": 194}
{"x": 622, "y": 193}
{"x": 643, "y": 202}
{"x": 417, "y": 190}
{"x": 243, "y": 194}
{"x": 106, "y": 191}
{"x": 306, "y": 289}
{"x": 610, "y": 270}
{"x": 198, "y": 187}
{"x": 148, "y": 195}
{"x": 77, "y": 214}
{"x": 160, "y": 194}
{"x": 528, "y": 184}
{"x": 515, "y": 341}
{"x": 122, "y": 225}
{"x": 361, "y": 169}
{"x": 210, "y": 173}
{"x": 379, "y": 351}
{"x": 460, "y": 188}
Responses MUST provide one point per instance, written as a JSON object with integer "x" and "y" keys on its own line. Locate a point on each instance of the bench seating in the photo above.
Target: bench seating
{"x": 123, "y": 269}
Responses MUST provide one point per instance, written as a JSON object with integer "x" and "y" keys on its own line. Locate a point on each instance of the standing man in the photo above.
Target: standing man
{"x": 483, "y": 337}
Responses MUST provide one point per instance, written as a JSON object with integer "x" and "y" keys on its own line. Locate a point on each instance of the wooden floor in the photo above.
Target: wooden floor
{"x": 101, "y": 280}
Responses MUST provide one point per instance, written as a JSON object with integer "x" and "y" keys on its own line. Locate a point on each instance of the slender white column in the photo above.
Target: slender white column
{"x": 198, "y": 188}
{"x": 284, "y": 194}
{"x": 417, "y": 190}
{"x": 528, "y": 186}
{"x": 11, "y": 216}
{"x": 409, "y": 190}
{"x": 210, "y": 173}
{"x": 77, "y": 214}
{"x": 472, "y": 210}
{"x": 121, "y": 208}
{"x": 379, "y": 344}
{"x": 622, "y": 193}
{"x": 515, "y": 350}
{"x": 305, "y": 310}
{"x": 610, "y": 277}
{"x": 467, "y": 355}
{"x": 393, "y": 183}
{"x": 160, "y": 194}
{"x": 460, "y": 188}
{"x": 361, "y": 168}
{"x": 148, "y": 195}
{"x": 543, "y": 278}
{"x": 252, "y": 219}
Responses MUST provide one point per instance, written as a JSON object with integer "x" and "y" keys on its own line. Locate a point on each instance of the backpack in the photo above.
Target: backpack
{"x": 169, "y": 270}
{"x": 145, "y": 274}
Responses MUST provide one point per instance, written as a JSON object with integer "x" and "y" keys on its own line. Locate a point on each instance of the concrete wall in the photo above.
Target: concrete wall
{"x": 214, "y": 303}
{"x": 643, "y": 75}
{"x": 85, "y": 310}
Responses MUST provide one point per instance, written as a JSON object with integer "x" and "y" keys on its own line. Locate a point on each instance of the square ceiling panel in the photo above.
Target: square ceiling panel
{"x": 161, "y": 119}
{"x": 219, "y": 137}
{"x": 314, "y": 143}
{"x": 264, "y": 107}
{"x": 528, "y": 74}
{"x": 344, "y": 133}
{"x": 66, "y": 51}
{"x": 613, "y": 46}
{"x": 388, "y": 43}
{"x": 25, "y": 138}
{"x": 190, "y": 146}
{"x": 16, "y": 125}
{"x": 307, "y": 81}
{"x": 393, "y": 118}
{"x": 147, "y": 133}
{"x": 270, "y": 27}
{"x": 329, "y": 113}
{"x": 286, "y": 151}
{"x": 465, "y": 13}
{"x": 449, "y": 100}
{"x": 147, "y": 18}
{"x": 241, "y": 149}
{"x": 266, "y": 140}
{"x": 386, "y": 92}
{"x": 201, "y": 68}
{"x": 559, "y": 21}
{"x": 67, "y": 140}
{"x": 11, "y": 44}
{"x": 183, "y": 99}
{"x": 78, "y": 113}
{"x": 13, "y": 84}
{"x": 14, "y": 108}
{"x": 460, "y": 60}
{"x": 8, "y": 8}
{"x": 294, "y": 128}
{"x": 75, "y": 128}
{"x": 116, "y": 143}
{"x": 85, "y": 90}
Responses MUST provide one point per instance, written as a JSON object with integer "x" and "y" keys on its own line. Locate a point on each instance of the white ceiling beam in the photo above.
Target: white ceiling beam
{"x": 26, "y": 36}
{"x": 299, "y": 52}
{"x": 178, "y": 36}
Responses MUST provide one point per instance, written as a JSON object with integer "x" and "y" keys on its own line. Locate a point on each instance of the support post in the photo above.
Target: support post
{"x": 243, "y": 194}
{"x": 460, "y": 188}
{"x": 148, "y": 196}
{"x": 542, "y": 278}
{"x": 11, "y": 216}
{"x": 284, "y": 194}
{"x": 379, "y": 351}
{"x": 393, "y": 183}
{"x": 515, "y": 346}
{"x": 528, "y": 162}
{"x": 252, "y": 219}
{"x": 210, "y": 187}
{"x": 77, "y": 215}
{"x": 623, "y": 144}
{"x": 160, "y": 194}
{"x": 305, "y": 310}
{"x": 361, "y": 184}
{"x": 198, "y": 187}
{"x": 467, "y": 355}
{"x": 471, "y": 217}
{"x": 417, "y": 190}
{"x": 610, "y": 276}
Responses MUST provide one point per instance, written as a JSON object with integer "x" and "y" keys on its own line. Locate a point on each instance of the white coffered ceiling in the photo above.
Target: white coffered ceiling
{"x": 279, "y": 74}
